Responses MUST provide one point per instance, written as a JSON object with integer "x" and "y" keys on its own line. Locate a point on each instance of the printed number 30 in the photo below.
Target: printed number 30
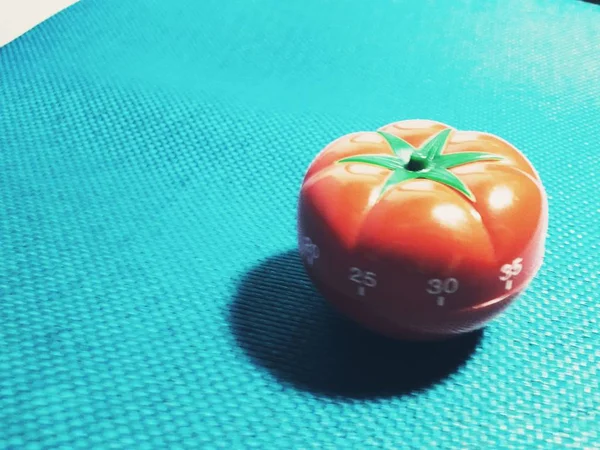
{"x": 437, "y": 286}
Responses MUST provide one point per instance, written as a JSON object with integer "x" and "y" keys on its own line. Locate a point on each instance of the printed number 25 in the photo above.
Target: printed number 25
{"x": 365, "y": 278}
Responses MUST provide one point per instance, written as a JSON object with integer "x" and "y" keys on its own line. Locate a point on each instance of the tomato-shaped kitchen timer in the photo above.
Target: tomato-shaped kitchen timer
{"x": 421, "y": 231}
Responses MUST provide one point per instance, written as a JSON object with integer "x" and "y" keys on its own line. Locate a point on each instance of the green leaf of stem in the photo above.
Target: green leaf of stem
{"x": 434, "y": 146}
{"x": 397, "y": 177}
{"x": 448, "y": 178}
{"x": 458, "y": 159}
{"x": 399, "y": 146}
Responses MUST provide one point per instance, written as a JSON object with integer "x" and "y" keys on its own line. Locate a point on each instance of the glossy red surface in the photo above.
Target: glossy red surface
{"x": 423, "y": 261}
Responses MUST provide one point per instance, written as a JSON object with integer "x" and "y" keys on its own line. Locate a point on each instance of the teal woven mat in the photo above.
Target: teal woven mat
{"x": 150, "y": 159}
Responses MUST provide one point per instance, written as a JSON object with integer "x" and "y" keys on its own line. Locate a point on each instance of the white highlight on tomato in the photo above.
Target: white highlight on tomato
{"x": 449, "y": 214}
{"x": 417, "y": 124}
{"x": 368, "y": 137}
{"x": 500, "y": 197}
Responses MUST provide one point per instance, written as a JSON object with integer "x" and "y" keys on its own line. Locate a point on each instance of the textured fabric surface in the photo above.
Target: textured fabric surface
{"x": 150, "y": 159}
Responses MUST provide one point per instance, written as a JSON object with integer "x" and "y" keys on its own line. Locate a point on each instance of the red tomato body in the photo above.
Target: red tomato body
{"x": 421, "y": 260}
